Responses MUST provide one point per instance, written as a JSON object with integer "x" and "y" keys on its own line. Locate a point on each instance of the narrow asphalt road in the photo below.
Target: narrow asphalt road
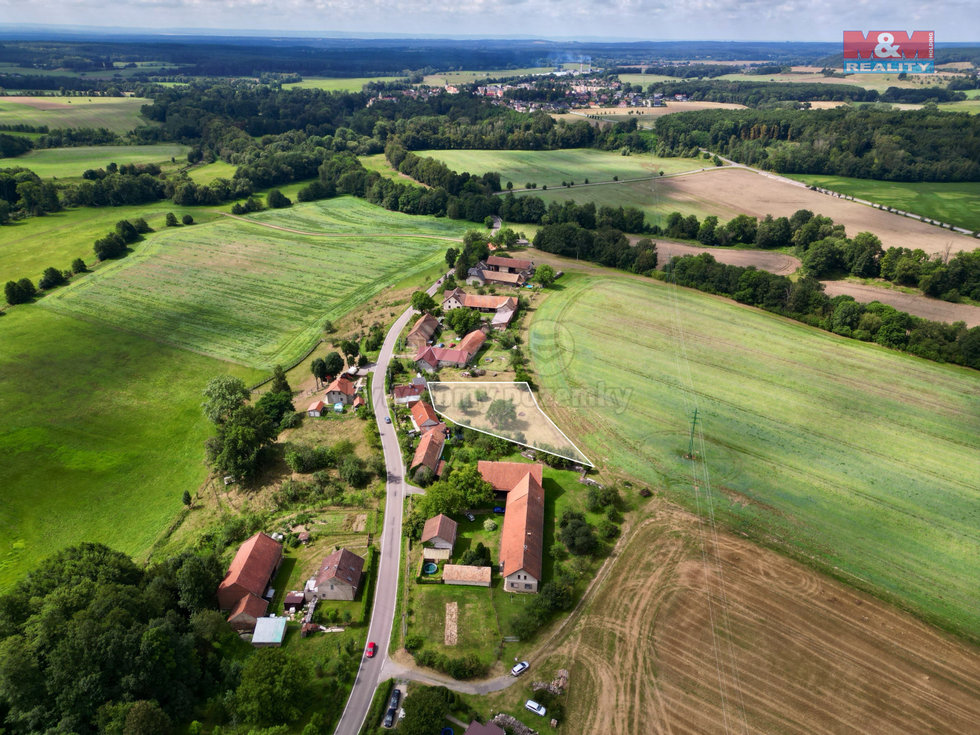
{"x": 386, "y": 590}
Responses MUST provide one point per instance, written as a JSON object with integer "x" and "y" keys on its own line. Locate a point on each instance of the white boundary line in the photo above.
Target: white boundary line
{"x": 582, "y": 458}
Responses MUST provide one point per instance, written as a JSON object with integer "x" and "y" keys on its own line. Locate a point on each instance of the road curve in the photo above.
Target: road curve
{"x": 386, "y": 590}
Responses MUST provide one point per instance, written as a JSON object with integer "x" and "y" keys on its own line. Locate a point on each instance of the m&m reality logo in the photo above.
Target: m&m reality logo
{"x": 889, "y": 52}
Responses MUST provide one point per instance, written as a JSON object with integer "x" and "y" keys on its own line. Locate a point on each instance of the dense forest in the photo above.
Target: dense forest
{"x": 893, "y": 145}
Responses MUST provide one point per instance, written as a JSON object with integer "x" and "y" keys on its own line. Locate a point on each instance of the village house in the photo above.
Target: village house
{"x": 486, "y": 303}
{"x": 433, "y": 358}
{"x": 251, "y": 571}
{"x": 429, "y": 451}
{"x": 342, "y": 391}
{"x": 340, "y": 576}
{"x": 439, "y": 532}
{"x": 424, "y": 416}
{"x": 522, "y": 536}
{"x": 420, "y": 335}
{"x": 405, "y": 394}
{"x": 499, "y": 264}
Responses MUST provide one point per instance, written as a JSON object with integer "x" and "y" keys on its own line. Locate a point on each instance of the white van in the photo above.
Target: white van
{"x": 534, "y": 707}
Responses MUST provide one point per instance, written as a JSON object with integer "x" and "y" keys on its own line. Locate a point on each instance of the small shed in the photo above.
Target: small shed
{"x": 466, "y": 575}
{"x": 358, "y": 402}
{"x": 269, "y": 632}
{"x": 316, "y": 409}
{"x": 294, "y": 601}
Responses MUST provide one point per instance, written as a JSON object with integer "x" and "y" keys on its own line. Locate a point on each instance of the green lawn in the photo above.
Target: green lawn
{"x": 118, "y": 114}
{"x": 860, "y": 460}
{"x": 970, "y": 105}
{"x": 101, "y": 432}
{"x": 955, "y": 203}
{"x": 550, "y": 168}
{"x": 380, "y": 164}
{"x": 29, "y": 246}
{"x": 255, "y": 295}
{"x": 72, "y": 162}
{"x": 331, "y": 84}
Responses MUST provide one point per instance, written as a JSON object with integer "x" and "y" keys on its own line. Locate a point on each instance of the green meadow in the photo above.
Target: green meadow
{"x": 30, "y": 245}
{"x": 955, "y": 203}
{"x": 118, "y": 114}
{"x": 857, "y": 459}
{"x": 252, "y": 294}
{"x": 210, "y": 171}
{"x": 336, "y": 84}
{"x": 101, "y": 432}
{"x": 72, "y": 162}
{"x": 550, "y": 168}
{"x": 441, "y": 79}
{"x": 653, "y": 196}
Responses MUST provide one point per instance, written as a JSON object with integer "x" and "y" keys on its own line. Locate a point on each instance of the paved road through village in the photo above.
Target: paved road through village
{"x": 386, "y": 589}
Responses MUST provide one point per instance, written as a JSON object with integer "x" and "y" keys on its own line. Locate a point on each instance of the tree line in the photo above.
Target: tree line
{"x": 909, "y": 145}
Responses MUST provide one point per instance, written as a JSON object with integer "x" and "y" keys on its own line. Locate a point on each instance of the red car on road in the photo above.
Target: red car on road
{"x": 372, "y": 648}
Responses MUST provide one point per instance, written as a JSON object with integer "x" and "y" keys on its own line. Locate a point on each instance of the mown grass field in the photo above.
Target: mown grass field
{"x": 335, "y": 84}
{"x": 550, "y": 168}
{"x": 118, "y": 114}
{"x": 955, "y": 202}
{"x": 209, "y": 172}
{"x": 29, "y": 246}
{"x": 101, "y": 431}
{"x": 254, "y": 294}
{"x": 72, "y": 162}
{"x": 652, "y": 196}
{"x": 857, "y": 459}
{"x": 880, "y": 82}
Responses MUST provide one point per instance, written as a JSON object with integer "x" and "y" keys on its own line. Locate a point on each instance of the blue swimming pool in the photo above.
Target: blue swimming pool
{"x": 430, "y": 568}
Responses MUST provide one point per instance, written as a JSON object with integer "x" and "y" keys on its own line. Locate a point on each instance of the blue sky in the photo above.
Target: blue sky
{"x": 816, "y": 20}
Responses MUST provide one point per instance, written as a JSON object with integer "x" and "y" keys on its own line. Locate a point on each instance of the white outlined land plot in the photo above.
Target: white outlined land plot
{"x": 505, "y": 410}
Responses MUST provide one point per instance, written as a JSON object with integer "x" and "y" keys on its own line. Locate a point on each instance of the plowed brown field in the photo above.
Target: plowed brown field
{"x": 728, "y": 192}
{"x": 692, "y": 632}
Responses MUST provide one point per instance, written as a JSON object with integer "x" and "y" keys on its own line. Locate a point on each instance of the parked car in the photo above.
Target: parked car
{"x": 470, "y": 516}
{"x": 396, "y": 698}
{"x": 390, "y": 717}
{"x": 520, "y": 668}
{"x": 498, "y": 510}
{"x": 534, "y": 707}
{"x": 387, "y": 419}
{"x": 372, "y": 648}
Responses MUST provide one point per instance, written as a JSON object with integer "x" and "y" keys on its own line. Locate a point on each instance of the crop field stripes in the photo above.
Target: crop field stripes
{"x": 700, "y": 477}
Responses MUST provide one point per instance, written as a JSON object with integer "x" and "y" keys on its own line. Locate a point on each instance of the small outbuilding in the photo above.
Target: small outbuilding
{"x": 316, "y": 409}
{"x": 478, "y": 728}
{"x": 269, "y": 632}
{"x": 466, "y": 575}
{"x": 249, "y": 609}
{"x": 294, "y": 601}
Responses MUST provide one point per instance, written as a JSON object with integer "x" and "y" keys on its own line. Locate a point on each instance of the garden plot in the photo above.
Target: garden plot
{"x": 505, "y": 410}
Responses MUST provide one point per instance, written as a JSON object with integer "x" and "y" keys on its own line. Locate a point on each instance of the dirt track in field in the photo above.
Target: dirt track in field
{"x": 742, "y": 640}
{"x": 729, "y": 191}
{"x": 922, "y": 306}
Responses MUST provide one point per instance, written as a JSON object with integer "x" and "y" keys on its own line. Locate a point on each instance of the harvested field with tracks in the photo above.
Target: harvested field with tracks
{"x": 693, "y": 632}
{"x": 731, "y": 191}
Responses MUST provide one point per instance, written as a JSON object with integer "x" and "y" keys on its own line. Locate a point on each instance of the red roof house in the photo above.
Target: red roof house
{"x": 339, "y": 576}
{"x": 424, "y": 415}
{"x": 429, "y": 450}
{"x": 505, "y": 475}
{"x": 251, "y": 570}
{"x": 340, "y": 390}
{"x": 246, "y": 612}
{"x": 439, "y": 532}
{"x": 472, "y": 342}
{"x": 522, "y": 537}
